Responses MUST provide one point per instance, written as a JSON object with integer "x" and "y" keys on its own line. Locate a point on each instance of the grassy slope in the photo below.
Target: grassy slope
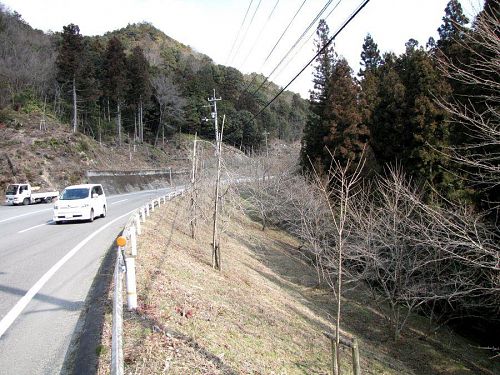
{"x": 263, "y": 314}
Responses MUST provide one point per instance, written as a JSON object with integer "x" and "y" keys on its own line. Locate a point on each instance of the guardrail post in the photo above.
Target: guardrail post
{"x": 153, "y": 205}
{"x": 147, "y": 209}
{"x": 138, "y": 223}
{"x": 117, "y": 329}
{"x": 133, "y": 241}
{"x": 131, "y": 283}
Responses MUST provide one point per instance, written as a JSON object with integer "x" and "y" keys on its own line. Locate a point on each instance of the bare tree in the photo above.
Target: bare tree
{"x": 480, "y": 158}
{"x": 338, "y": 188}
{"x": 170, "y": 102}
{"x": 27, "y": 58}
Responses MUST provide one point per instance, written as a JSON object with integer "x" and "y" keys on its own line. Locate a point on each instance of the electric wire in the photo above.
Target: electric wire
{"x": 257, "y": 40}
{"x": 313, "y": 22}
{"x": 305, "y": 41}
{"x": 238, "y": 34}
{"x": 284, "y": 32}
{"x": 246, "y": 31}
{"x": 245, "y": 90}
{"x": 327, "y": 44}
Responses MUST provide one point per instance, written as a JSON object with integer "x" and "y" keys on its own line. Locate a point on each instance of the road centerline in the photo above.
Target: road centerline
{"x": 33, "y": 227}
{"x": 26, "y": 214}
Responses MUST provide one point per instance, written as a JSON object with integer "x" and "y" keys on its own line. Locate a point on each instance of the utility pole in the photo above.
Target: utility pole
{"x": 193, "y": 190}
{"x": 216, "y": 261}
{"x": 265, "y": 134}
{"x": 213, "y": 107}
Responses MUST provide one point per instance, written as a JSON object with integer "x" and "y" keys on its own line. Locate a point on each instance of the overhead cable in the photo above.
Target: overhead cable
{"x": 272, "y": 50}
{"x": 257, "y": 40}
{"x": 313, "y": 22}
{"x": 351, "y": 17}
{"x": 305, "y": 41}
{"x": 246, "y": 31}
{"x": 238, "y": 34}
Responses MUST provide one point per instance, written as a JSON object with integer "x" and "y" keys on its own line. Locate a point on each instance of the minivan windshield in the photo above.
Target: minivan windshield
{"x": 11, "y": 190}
{"x": 72, "y": 194}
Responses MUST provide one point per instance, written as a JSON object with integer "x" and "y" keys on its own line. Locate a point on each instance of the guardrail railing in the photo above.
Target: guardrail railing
{"x": 125, "y": 265}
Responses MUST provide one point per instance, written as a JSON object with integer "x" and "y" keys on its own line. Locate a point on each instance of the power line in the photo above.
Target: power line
{"x": 238, "y": 34}
{"x": 257, "y": 40}
{"x": 246, "y": 31}
{"x": 351, "y": 17}
{"x": 272, "y": 50}
{"x": 284, "y": 32}
{"x": 306, "y": 40}
{"x": 313, "y": 22}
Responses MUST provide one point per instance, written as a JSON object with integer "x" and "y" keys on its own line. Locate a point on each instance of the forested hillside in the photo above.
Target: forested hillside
{"x": 137, "y": 85}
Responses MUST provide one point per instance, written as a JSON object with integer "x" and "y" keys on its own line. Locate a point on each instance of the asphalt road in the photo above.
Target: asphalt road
{"x": 46, "y": 271}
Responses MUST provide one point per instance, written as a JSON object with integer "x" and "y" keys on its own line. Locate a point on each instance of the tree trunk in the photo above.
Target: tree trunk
{"x": 75, "y": 110}
{"x": 119, "y": 123}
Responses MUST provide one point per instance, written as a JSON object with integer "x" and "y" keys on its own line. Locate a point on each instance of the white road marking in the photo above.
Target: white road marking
{"x": 123, "y": 200}
{"x": 18, "y": 308}
{"x": 29, "y": 213}
{"x": 36, "y": 226}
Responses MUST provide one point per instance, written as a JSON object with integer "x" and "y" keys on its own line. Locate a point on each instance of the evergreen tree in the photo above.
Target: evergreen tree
{"x": 139, "y": 89}
{"x": 115, "y": 79}
{"x": 369, "y": 99}
{"x": 370, "y": 56}
{"x": 387, "y": 125}
{"x": 453, "y": 28}
{"x": 347, "y": 136}
{"x": 69, "y": 63}
{"x": 316, "y": 129}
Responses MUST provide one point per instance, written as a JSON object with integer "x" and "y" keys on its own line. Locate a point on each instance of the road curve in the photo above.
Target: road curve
{"x": 46, "y": 271}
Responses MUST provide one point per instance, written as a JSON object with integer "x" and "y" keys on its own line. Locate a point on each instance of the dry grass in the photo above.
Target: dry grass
{"x": 262, "y": 314}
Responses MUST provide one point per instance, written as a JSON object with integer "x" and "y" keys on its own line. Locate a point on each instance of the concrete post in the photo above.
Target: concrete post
{"x": 131, "y": 283}
{"x": 133, "y": 241}
{"x": 138, "y": 223}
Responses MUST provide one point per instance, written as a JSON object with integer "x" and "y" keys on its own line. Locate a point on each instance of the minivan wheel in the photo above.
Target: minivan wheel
{"x": 103, "y": 211}
{"x": 91, "y": 219}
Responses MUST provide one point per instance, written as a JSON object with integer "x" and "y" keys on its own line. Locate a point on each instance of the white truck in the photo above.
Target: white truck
{"x": 25, "y": 194}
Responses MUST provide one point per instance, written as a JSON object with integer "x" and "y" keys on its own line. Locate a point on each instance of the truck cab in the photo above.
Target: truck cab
{"x": 18, "y": 194}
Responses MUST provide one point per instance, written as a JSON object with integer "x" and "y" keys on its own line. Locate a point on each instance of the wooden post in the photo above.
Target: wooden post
{"x": 215, "y": 241}
{"x": 193, "y": 191}
{"x": 334, "y": 357}
{"x": 350, "y": 342}
{"x": 355, "y": 357}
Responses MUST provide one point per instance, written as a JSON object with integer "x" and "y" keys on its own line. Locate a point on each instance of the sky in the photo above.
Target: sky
{"x": 266, "y": 37}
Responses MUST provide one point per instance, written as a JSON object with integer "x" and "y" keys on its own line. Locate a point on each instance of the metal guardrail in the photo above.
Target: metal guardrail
{"x": 125, "y": 265}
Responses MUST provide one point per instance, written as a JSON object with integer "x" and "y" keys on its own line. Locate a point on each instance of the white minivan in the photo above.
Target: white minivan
{"x": 80, "y": 202}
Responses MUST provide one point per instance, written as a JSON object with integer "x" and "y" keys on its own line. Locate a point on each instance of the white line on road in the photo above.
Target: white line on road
{"x": 12, "y": 315}
{"x": 36, "y": 226}
{"x": 123, "y": 200}
{"x": 29, "y": 213}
